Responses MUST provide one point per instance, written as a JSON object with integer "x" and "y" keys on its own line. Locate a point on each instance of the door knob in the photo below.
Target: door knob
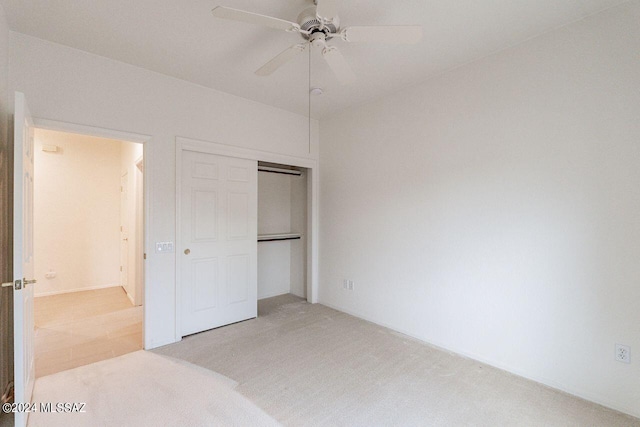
{"x": 187, "y": 251}
{"x": 29, "y": 282}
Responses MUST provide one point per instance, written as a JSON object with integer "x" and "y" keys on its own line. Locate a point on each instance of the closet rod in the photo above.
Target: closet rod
{"x": 278, "y": 170}
{"x": 278, "y": 239}
{"x": 274, "y": 237}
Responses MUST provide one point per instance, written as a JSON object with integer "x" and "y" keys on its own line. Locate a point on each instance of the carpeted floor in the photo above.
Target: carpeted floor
{"x": 144, "y": 389}
{"x": 307, "y": 364}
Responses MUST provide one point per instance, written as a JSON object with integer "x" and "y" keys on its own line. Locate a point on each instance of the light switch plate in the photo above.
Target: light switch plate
{"x": 164, "y": 247}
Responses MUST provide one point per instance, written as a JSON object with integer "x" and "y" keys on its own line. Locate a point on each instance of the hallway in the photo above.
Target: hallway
{"x": 80, "y": 328}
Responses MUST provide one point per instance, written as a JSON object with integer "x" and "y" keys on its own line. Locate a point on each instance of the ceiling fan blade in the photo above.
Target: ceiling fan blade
{"x": 398, "y": 34}
{"x": 284, "y": 57}
{"x": 338, "y": 65}
{"x": 327, "y": 9}
{"x": 253, "y": 18}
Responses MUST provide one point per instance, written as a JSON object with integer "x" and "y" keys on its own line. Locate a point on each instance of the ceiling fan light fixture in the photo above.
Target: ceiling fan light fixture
{"x": 317, "y": 25}
{"x": 309, "y": 23}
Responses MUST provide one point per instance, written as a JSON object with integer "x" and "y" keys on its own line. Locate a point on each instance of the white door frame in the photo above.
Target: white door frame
{"x": 313, "y": 197}
{"x": 55, "y": 125}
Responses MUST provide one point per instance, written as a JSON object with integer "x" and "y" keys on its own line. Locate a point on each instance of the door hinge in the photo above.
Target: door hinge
{"x": 145, "y": 255}
{"x": 120, "y": 268}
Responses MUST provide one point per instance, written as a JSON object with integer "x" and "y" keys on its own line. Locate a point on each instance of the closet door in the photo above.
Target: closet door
{"x": 218, "y": 231}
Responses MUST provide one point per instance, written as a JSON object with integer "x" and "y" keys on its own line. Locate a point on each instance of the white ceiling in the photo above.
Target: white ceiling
{"x": 181, "y": 38}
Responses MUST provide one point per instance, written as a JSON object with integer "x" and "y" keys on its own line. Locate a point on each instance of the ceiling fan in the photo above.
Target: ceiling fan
{"x": 317, "y": 25}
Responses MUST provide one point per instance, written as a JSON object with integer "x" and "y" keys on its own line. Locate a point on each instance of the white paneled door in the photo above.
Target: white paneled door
{"x": 218, "y": 241}
{"x": 23, "y": 323}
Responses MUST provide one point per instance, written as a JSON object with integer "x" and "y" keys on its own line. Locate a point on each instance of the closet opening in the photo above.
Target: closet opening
{"x": 282, "y": 230}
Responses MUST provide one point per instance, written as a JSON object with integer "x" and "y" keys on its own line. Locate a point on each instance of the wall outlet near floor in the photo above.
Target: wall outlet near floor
{"x": 347, "y": 284}
{"x": 623, "y": 353}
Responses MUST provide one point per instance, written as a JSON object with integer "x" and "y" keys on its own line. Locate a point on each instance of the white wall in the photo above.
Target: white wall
{"x": 76, "y": 212}
{"x": 274, "y": 216}
{"x": 282, "y": 204}
{"x": 130, "y": 153}
{"x": 6, "y": 159}
{"x": 68, "y": 85}
{"x": 299, "y": 225}
{"x": 495, "y": 210}
{"x": 6, "y": 315}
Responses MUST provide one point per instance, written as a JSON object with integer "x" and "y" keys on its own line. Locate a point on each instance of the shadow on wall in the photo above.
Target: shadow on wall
{"x": 6, "y": 255}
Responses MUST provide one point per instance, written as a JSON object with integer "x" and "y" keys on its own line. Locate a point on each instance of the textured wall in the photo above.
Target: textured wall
{"x": 76, "y": 212}
{"x": 494, "y": 210}
{"x": 72, "y": 86}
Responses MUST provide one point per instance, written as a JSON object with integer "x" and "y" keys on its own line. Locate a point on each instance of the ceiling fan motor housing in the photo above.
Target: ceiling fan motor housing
{"x": 308, "y": 21}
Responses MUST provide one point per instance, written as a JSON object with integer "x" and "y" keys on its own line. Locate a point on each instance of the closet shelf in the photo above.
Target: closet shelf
{"x": 276, "y": 237}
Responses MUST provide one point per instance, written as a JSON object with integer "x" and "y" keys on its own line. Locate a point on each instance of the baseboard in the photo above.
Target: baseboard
{"x": 133, "y": 303}
{"x": 277, "y": 294}
{"x": 298, "y": 295}
{"x": 152, "y": 345}
{"x": 540, "y": 380}
{"x": 68, "y": 291}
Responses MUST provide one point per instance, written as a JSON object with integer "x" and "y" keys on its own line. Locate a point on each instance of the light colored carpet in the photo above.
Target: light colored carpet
{"x": 310, "y": 365}
{"x": 145, "y": 389}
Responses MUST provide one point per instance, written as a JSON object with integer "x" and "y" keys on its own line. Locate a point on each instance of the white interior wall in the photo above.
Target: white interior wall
{"x": 274, "y": 216}
{"x": 6, "y": 160}
{"x": 69, "y": 85}
{"x": 76, "y": 212}
{"x": 494, "y": 211}
{"x": 299, "y": 225}
{"x": 6, "y": 154}
{"x": 129, "y": 154}
{"x": 274, "y": 203}
{"x": 282, "y": 205}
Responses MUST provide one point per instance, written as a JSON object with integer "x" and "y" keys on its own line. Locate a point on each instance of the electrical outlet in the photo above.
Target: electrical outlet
{"x": 623, "y": 353}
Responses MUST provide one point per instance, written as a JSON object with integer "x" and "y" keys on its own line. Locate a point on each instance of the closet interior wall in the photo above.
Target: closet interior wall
{"x": 282, "y": 209}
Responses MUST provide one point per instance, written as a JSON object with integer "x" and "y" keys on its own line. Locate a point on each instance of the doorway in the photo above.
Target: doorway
{"x": 88, "y": 244}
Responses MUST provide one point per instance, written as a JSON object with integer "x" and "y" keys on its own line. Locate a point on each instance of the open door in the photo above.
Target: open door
{"x": 23, "y": 323}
